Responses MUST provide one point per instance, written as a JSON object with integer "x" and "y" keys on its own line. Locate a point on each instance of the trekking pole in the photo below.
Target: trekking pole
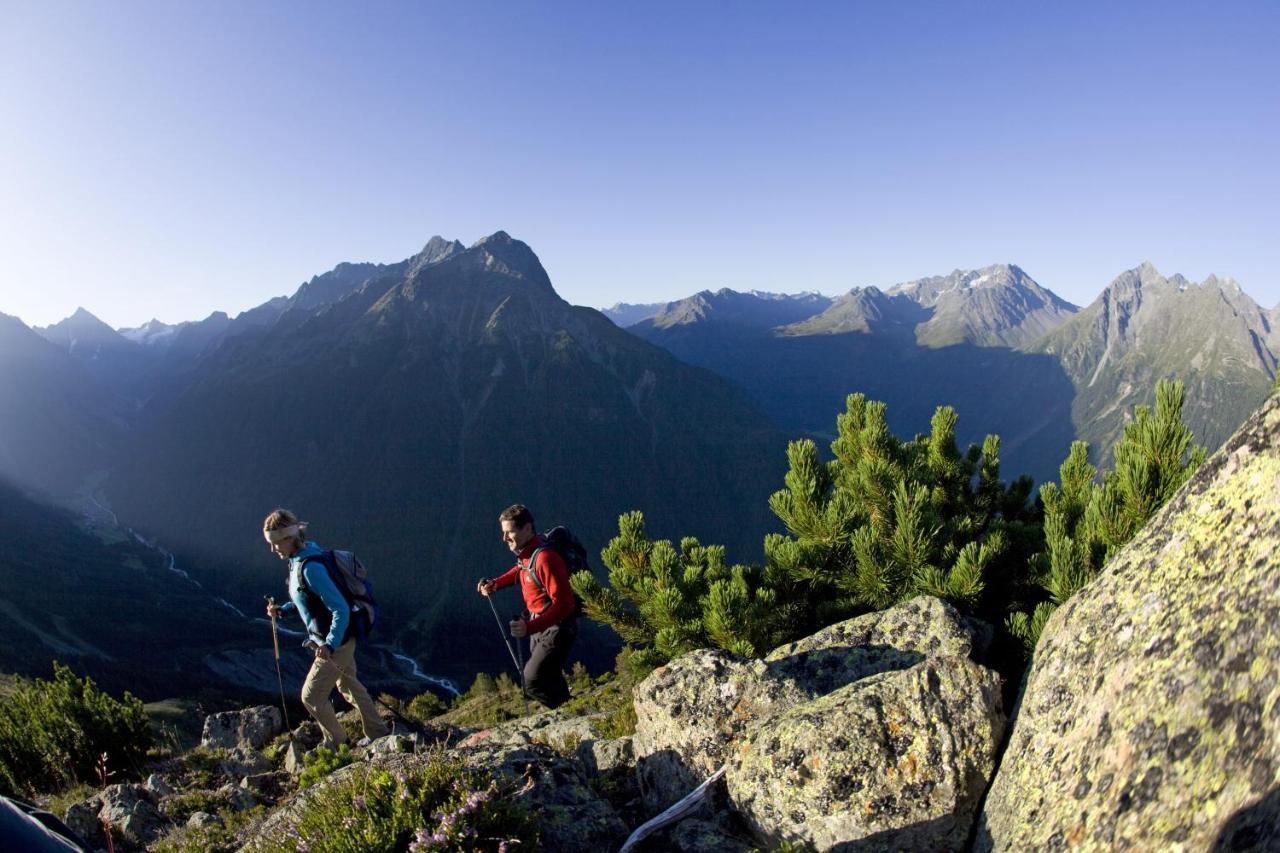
{"x": 503, "y": 631}
{"x": 520, "y": 656}
{"x": 275, "y": 641}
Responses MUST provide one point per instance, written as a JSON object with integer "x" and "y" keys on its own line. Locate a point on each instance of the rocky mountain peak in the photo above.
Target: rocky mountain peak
{"x": 83, "y": 329}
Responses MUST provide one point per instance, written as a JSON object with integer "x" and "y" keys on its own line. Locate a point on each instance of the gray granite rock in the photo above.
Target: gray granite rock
{"x": 252, "y": 727}
{"x": 1150, "y": 719}
{"x": 895, "y": 761}
{"x": 199, "y": 820}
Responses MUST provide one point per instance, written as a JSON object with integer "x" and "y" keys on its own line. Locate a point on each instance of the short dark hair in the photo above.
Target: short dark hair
{"x": 519, "y": 513}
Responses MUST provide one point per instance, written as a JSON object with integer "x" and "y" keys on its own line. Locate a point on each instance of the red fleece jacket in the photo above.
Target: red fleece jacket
{"x": 552, "y": 608}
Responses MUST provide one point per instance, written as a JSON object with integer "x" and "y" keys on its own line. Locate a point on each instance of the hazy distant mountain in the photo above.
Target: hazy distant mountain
{"x": 868, "y": 341}
{"x": 403, "y": 417}
{"x": 1145, "y": 327}
{"x": 57, "y": 423}
{"x": 1012, "y": 357}
{"x": 85, "y": 335}
{"x": 729, "y": 309}
{"x": 625, "y": 314}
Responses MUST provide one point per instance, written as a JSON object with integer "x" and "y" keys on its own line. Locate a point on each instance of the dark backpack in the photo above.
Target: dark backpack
{"x": 352, "y": 580}
{"x": 563, "y": 542}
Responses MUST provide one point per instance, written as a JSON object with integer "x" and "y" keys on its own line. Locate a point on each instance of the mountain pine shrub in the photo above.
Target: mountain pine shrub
{"x": 1086, "y": 522}
{"x": 52, "y": 734}
{"x": 883, "y": 521}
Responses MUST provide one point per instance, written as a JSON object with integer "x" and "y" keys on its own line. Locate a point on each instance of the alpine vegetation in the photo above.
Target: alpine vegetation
{"x": 887, "y": 520}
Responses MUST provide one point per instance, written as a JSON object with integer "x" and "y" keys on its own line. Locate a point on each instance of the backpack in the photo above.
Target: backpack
{"x": 352, "y": 580}
{"x": 561, "y": 540}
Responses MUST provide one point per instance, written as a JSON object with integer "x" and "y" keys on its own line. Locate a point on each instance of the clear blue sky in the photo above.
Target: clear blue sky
{"x": 174, "y": 158}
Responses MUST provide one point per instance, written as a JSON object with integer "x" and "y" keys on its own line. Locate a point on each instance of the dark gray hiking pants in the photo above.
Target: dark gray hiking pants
{"x": 544, "y": 671}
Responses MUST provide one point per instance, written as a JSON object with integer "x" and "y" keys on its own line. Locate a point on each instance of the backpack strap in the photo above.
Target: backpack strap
{"x": 534, "y": 576}
{"x": 326, "y": 559}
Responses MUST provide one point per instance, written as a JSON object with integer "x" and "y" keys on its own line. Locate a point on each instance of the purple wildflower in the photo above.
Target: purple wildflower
{"x": 361, "y": 805}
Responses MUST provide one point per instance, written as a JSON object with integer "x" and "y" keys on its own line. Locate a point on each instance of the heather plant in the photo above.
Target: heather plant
{"x": 434, "y": 805}
{"x": 53, "y": 734}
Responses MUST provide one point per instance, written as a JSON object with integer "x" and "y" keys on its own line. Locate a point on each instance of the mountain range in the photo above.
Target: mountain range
{"x": 1012, "y": 357}
{"x": 399, "y": 407}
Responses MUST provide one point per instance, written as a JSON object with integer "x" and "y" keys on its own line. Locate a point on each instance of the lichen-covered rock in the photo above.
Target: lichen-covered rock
{"x": 293, "y": 758}
{"x": 252, "y": 727}
{"x": 692, "y": 710}
{"x": 557, "y": 729}
{"x": 886, "y": 640}
{"x": 897, "y": 761}
{"x": 571, "y": 815}
{"x": 603, "y": 757}
{"x": 1151, "y": 715}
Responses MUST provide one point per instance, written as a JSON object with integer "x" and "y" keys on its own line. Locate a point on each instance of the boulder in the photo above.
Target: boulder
{"x": 390, "y": 744}
{"x": 129, "y": 809}
{"x": 82, "y": 818}
{"x": 690, "y": 711}
{"x": 556, "y": 729}
{"x": 158, "y": 786}
{"x": 880, "y": 731}
{"x": 1150, "y": 718}
{"x": 242, "y": 761}
{"x": 572, "y": 816}
{"x": 896, "y": 761}
{"x": 238, "y": 798}
{"x": 199, "y": 820}
{"x": 293, "y": 754}
{"x": 252, "y": 727}
{"x": 604, "y": 757}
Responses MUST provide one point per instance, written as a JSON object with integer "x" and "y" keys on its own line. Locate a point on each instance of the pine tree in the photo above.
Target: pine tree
{"x": 887, "y": 520}
{"x": 1086, "y": 523}
{"x": 664, "y": 602}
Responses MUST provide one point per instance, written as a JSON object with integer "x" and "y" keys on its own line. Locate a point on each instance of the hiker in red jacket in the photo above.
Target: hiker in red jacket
{"x": 550, "y": 621}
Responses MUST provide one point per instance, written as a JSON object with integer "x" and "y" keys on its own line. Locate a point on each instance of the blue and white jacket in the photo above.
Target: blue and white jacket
{"x": 324, "y": 611}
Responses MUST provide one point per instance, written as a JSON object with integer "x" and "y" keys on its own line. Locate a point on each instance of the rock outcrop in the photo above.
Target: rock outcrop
{"x": 881, "y": 730}
{"x": 1150, "y": 718}
{"x": 250, "y": 727}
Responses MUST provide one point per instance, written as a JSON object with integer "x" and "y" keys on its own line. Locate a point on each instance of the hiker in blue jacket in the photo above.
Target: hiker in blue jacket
{"x": 327, "y": 619}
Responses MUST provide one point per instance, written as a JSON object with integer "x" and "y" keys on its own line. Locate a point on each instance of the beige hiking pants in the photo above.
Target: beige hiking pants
{"x": 339, "y": 670}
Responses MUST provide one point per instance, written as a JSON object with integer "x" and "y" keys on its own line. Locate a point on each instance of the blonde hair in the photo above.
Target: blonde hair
{"x": 279, "y": 518}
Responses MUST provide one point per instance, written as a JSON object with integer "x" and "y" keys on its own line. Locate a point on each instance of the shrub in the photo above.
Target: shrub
{"x": 424, "y": 706}
{"x": 434, "y": 806}
{"x": 320, "y": 762}
{"x": 52, "y": 734}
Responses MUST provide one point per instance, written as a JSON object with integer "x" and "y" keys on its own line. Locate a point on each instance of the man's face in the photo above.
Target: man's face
{"x": 516, "y": 537}
{"x": 285, "y": 548}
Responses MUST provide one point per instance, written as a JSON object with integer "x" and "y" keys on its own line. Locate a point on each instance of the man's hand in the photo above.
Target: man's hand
{"x": 273, "y": 610}
{"x": 485, "y": 587}
{"x": 323, "y": 652}
{"x": 519, "y": 628}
